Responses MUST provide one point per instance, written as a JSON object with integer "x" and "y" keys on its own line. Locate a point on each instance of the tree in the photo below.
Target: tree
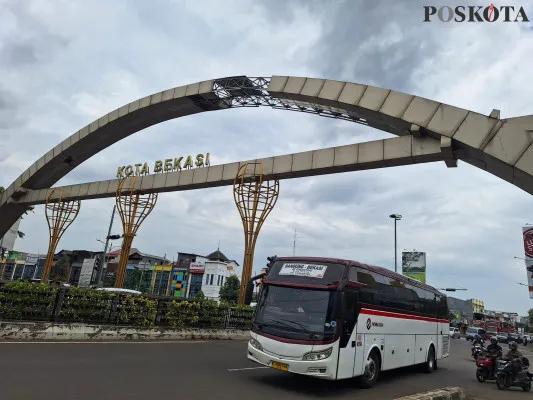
{"x": 199, "y": 296}
{"x": 60, "y": 270}
{"x": 134, "y": 280}
{"x": 530, "y": 314}
{"x": 229, "y": 292}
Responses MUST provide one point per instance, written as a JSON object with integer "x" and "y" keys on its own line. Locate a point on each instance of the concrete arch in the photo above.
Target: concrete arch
{"x": 501, "y": 147}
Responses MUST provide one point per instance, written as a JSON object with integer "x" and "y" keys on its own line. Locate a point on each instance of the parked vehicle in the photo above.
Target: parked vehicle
{"x": 486, "y": 366}
{"x": 455, "y": 333}
{"x": 504, "y": 377}
{"x": 502, "y": 338}
{"x": 472, "y": 332}
{"x": 516, "y": 338}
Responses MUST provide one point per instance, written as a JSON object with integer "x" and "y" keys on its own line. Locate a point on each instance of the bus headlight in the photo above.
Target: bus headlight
{"x": 318, "y": 355}
{"x": 256, "y": 344}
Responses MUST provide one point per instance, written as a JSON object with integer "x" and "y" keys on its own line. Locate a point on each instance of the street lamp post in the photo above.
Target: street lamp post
{"x": 396, "y": 218}
{"x": 451, "y": 289}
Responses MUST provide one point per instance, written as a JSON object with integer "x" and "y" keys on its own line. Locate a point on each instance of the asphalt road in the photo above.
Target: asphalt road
{"x": 201, "y": 371}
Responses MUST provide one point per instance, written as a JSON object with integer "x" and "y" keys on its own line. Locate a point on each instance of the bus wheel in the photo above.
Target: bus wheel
{"x": 431, "y": 363}
{"x": 371, "y": 372}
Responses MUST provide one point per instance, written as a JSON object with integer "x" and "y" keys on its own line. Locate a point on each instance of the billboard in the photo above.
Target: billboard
{"x": 527, "y": 234}
{"x": 414, "y": 265}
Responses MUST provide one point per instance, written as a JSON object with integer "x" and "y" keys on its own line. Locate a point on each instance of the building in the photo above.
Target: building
{"x": 193, "y": 273}
{"x": 478, "y": 306}
{"x": 139, "y": 269}
{"x": 82, "y": 266}
{"x": 7, "y": 242}
{"x": 18, "y": 265}
{"x": 461, "y": 310}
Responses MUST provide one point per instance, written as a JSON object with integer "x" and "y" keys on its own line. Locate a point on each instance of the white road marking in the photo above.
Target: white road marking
{"x": 245, "y": 369}
{"x": 107, "y": 342}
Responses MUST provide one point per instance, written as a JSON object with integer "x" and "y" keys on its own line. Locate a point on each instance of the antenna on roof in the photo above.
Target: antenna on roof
{"x": 218, "y": 248}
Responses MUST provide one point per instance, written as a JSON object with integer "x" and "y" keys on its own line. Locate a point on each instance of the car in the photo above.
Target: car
{"x": 120, "y": 291}
{"x": 473, "y": 332}
{"x": 502, "y": 338}
{"x": 455, "y": 333}
{"x": 516, "y": 338}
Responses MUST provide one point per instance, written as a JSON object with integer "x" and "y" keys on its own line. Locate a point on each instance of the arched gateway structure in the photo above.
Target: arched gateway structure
{"x": 428, "y": 130}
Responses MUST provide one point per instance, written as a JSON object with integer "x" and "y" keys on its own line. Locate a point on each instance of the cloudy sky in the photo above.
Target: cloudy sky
{"x": 64, "y": 63}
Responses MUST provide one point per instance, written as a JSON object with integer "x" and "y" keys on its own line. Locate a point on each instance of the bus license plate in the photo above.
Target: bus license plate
{"x": 280, "y": 366}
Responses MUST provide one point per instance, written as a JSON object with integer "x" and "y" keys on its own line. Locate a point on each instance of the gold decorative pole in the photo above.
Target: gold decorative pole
{"x": 255, "y": 199}
{"x": 59, "y": 216}
{"x": 133, "y": 209}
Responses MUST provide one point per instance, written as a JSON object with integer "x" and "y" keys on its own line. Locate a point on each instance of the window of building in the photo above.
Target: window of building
{"x": 212, "y": 278}
{"x": 207, "y": 279}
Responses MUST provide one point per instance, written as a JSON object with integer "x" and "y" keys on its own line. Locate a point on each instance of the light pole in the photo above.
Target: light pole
{"x": 396, "y": 218}
{"x": 523, "y": 284}
{"x": 451, "y": 289}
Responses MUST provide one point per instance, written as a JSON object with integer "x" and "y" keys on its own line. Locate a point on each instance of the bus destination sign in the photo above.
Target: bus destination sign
{"x": 307, "y": 270}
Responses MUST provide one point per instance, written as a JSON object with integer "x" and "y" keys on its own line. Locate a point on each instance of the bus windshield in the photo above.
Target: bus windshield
{"x": 296, "y": 313}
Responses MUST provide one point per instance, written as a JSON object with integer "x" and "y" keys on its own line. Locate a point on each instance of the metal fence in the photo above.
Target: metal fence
{"x": 34, "y": 302}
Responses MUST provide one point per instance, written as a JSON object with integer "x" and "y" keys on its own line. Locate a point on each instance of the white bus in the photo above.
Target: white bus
{"x": 336, "y": 319}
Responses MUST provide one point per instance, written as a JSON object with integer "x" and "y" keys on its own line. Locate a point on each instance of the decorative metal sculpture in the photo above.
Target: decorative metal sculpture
{"x": 59, "y": 216}
{"x": 255, "y": 199}
{"x": 133, "y": 209}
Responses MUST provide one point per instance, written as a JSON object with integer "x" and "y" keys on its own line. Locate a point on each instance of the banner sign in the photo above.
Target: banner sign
{"x": 414, "y": 265}
{"x": 197, "y": 268}
{"x": 307, "y": 270}
{"x": 86, "y": 272}
{"x": 527, "y": 234}
{"x": 31, "y": 259}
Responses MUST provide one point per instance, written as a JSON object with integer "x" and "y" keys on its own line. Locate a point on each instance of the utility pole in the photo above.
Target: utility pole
{"x": 100, "y": 279}
{"x": 294, "y": 244}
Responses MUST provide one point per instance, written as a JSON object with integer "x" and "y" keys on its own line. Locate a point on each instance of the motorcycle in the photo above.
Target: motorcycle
{"x": 485, "y": 366}
{"x": 477, "y": 351}
{"x": 504, "y": 376}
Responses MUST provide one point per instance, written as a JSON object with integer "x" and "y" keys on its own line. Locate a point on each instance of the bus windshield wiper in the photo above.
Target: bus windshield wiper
{"x": 303, "y": 326}
{"x": 312, "y": 334}
{"x": 282, "y": 323}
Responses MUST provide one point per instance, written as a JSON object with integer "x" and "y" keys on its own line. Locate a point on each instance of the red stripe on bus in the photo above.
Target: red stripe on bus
{"x": 378, "y": 313}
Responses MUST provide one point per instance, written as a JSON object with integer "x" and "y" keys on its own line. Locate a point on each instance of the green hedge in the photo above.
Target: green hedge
{"x": 37, "y": 302}
{"x": 27, "y": 301}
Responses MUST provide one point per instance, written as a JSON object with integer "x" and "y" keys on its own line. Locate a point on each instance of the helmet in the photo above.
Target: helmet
{"x": 513, "y": 345}
{"x": 493, "y": 340}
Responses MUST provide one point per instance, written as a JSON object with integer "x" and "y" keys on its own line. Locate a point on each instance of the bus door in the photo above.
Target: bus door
{"x": 443, "y": 328}
{"x": 347, "y": 342}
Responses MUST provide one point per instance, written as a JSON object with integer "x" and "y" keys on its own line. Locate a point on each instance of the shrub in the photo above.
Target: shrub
{"x": 181, "y": 314}
{"x": 26, "y": 300}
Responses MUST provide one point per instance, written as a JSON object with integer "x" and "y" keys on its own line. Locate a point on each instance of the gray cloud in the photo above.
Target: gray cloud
{"x": 467, "y": 221}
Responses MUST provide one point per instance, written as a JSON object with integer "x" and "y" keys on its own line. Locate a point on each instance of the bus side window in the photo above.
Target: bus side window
{"x": 349, "y": 317}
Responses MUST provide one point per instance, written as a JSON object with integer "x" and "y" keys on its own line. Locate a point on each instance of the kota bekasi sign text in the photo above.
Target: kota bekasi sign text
{"x": 167, "y": 165}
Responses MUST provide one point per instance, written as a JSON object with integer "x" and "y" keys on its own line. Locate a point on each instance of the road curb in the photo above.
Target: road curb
{"x": 26, "y": 331}
{"x": 447, "y": 393}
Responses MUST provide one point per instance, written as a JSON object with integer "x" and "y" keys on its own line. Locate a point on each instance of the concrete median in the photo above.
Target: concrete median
{"x": 447, "y": 393}
{"x": 37, "y": 331}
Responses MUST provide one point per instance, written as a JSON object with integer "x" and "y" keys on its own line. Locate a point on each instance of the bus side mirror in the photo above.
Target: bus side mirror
{"x": 249, "y": 292}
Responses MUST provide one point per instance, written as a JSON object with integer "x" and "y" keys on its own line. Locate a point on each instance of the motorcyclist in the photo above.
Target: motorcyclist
{"x": 477, "y": 340}
{"x": 494, "y": 349}
{"x": 515, "y": 356}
